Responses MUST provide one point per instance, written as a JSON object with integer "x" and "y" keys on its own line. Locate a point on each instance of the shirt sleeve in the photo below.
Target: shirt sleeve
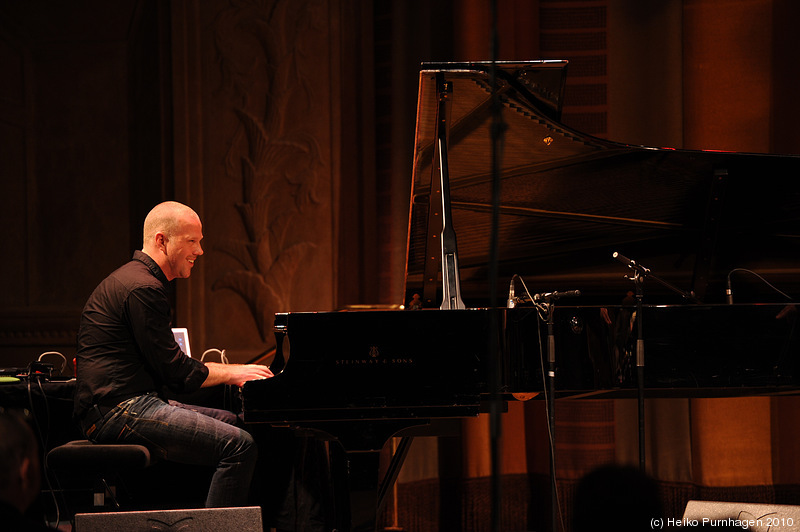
{"x": 150, "y": 320}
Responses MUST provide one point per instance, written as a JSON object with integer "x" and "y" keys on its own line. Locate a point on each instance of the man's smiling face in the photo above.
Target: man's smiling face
{"x": 183, "y": 248}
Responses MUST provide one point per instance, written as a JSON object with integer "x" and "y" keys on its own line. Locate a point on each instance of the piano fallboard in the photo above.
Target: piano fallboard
{"x": 375, "y": 365}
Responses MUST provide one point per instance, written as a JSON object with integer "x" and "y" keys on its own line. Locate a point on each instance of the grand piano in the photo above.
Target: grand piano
{"x": 505, "y": 196}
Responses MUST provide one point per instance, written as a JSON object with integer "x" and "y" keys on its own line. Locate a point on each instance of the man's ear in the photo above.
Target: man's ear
{"x": 161, "y": 242}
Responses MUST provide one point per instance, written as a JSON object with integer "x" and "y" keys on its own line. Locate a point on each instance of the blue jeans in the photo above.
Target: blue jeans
{"x": 186, "y": 436}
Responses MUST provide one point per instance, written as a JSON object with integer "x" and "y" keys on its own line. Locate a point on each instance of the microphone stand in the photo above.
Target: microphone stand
{"x": 546, "y": 304}
{"x": 551, "y": 412}
{"x": 640, "y": 273}
{"x": 638, "y": 281}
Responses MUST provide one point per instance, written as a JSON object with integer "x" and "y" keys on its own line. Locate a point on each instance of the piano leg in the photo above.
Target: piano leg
{"x": 335, "y": 480}
{"x": 399, "y": 456}
{"x": 367, "y": 492}
{"x": 363, "y": 489}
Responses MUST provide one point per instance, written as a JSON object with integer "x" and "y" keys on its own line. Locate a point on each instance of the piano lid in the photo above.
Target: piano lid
{"x": 569, "y": 200}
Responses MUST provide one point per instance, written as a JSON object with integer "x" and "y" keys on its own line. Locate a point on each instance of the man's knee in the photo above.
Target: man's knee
{"x": 246, "y": 446}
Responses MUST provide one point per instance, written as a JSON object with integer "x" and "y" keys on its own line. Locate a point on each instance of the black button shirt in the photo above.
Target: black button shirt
{"x": 125, "y": 342}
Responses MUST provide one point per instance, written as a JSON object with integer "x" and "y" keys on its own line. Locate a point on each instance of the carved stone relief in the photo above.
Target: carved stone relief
{"x": 267, "y": 183}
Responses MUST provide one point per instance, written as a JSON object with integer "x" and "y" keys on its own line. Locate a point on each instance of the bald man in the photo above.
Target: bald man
{"x": 127, "y": 356}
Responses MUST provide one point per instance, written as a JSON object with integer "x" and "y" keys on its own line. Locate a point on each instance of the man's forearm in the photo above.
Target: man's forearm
{"x": 236, "y": 374}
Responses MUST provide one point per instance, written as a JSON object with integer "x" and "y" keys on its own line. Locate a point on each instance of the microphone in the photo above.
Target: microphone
{"x": 729, "y": 293}
{"x": 629, "y": 262}
{"x": 556, "y": 295}
{"x": 512, "y": 301}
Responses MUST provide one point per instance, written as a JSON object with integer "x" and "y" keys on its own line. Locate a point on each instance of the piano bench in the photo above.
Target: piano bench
{"x": 101, "y": 462}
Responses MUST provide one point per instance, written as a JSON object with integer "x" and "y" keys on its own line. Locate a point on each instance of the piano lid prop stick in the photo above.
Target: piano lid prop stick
{"x": 451, "y": 283}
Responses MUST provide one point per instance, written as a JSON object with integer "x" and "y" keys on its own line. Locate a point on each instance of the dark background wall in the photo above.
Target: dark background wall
{"x": 289, "y": 127}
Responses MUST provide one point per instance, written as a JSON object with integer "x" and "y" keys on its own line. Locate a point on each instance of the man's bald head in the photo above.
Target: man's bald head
{"x": 166, "y": 218}
{"x": 171, "y": 236}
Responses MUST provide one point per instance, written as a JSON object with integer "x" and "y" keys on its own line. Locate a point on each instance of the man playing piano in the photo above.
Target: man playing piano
{"x": 127, "y": 355}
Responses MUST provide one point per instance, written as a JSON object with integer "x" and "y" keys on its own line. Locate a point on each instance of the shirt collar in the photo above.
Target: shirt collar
{"x": 151, "y": 265}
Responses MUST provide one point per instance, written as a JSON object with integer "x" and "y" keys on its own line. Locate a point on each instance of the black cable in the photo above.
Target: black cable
{"x": 745, "y": 270}
{"x": 43, "y": 440}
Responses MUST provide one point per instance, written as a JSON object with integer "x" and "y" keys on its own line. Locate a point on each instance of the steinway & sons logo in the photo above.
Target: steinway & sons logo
{"x": 374, "y": 357}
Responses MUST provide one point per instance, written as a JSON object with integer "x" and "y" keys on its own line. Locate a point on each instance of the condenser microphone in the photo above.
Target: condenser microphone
{"x": 630, "y": 263}
{"x": 512, "y": 302}
{"x": 556, "y": 295}
{"x": 729, "y": 293}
